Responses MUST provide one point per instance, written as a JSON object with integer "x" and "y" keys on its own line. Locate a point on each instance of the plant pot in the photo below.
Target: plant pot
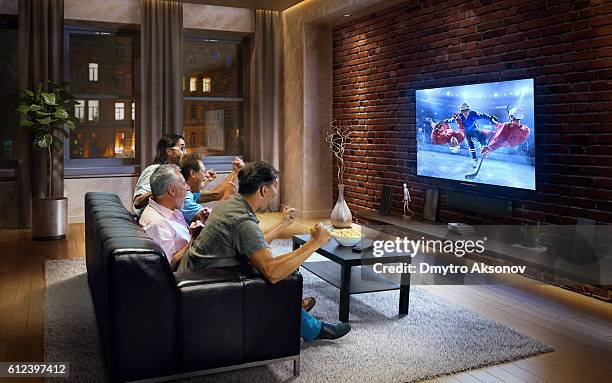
{"x": 49, "y": 218}
{"x": 341, "y": 216}
{"x": 530, "y": 242}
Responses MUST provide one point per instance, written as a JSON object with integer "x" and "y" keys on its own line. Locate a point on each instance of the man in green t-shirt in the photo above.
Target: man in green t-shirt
{"x": 232, "y": 237}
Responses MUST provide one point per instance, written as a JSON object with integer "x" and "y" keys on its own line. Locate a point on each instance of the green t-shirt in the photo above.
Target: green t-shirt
{"x": 229, "y": 238}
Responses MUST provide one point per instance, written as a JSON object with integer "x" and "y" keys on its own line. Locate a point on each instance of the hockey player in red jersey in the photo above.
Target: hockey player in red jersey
{"x": 442, "y": 133}
{"x": 511, "y": 133}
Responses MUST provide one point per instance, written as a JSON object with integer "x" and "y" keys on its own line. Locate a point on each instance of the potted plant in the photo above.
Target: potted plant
{"x": 530, "y": 234}
{"x": 50, "y": 117}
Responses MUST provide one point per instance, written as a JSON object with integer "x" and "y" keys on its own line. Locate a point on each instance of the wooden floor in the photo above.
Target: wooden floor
{"x": 578, "y": 327}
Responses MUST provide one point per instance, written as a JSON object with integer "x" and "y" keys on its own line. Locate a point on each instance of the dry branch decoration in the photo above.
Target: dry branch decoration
{"x": 338, "y": 137}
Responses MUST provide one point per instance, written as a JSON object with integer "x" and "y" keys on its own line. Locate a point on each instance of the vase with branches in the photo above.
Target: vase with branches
{"x": 338, "y": 137}
{"x": 50, "y": 117}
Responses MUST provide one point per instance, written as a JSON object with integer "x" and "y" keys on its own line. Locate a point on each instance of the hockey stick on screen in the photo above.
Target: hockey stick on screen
{"x": 473, "y": 174}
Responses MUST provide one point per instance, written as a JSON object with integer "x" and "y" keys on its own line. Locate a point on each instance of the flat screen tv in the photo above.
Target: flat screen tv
{"x": 481, "y": 133}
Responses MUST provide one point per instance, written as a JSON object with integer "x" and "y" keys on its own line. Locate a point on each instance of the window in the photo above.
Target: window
{"x": 93, "y": 111}
{"x": 206, "y": 85}
{"x": 79, "y": 110}
{"x": 213, "y": 116}
{"x": 101, "y": 66}
{"x": 120, "y": 111}
{"x": 93, "y": 71}
{"x": 9, "y": 91}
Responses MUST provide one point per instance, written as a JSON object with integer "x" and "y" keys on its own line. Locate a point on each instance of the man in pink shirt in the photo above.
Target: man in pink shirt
{"x": 161, "y": 219}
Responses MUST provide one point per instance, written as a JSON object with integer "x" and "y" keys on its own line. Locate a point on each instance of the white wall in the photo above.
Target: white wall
{"x": 75, "y": 189}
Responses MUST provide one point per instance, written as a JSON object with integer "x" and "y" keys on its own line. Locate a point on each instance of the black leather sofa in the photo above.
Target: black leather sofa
{"x": 154, "y": 323}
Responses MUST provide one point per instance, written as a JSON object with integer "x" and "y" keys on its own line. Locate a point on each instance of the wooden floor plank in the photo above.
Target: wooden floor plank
{"x": 503, "y": 375}
{"x": 484, "y": 376}
{"x": 520, "y": 373}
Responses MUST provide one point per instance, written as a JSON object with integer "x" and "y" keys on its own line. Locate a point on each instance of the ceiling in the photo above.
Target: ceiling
{"x": 276, "y": 5}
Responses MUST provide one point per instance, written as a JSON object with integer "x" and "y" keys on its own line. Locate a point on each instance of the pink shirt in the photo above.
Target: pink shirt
{"x": 166, "y": 227}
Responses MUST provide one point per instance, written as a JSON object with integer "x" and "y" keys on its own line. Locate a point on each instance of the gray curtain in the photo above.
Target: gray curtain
{"x": 162, "y": 69}
{"x": 266, "y": 92}
{"x": 41, "y": 47}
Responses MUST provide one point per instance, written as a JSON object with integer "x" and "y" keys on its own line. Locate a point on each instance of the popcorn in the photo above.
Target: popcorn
{"x": 346, "y": 233}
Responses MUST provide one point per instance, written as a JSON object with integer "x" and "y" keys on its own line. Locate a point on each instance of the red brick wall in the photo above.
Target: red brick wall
{"x": 566, "y": 46}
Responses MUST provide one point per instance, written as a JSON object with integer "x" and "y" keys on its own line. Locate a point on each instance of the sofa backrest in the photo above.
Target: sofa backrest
{"x": 133, "y": 289}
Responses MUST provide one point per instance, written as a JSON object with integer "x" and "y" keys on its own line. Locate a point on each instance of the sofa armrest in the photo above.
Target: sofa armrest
{"x": 272, "y": 318}
{"x": 210, "y": 323}
{"x": 260, "y": 320}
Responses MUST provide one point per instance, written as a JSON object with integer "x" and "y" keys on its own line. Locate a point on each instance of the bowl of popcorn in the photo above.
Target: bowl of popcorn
{"x": 346, "y": 237}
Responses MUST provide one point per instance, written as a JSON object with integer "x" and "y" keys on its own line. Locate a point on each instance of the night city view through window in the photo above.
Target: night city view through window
{"x": 9, "y": 93}
{"x": 101, "y": 73}
{"x": 212, "y": 108}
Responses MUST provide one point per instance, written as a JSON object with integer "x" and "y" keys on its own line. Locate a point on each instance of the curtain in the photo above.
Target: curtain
{"x": 41, "y": 47}
{"x": 162, "y": 69}
{"x": 265, "y": 92}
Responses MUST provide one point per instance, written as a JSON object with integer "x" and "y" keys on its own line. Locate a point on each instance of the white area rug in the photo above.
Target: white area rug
{"x": 435, "y": 338}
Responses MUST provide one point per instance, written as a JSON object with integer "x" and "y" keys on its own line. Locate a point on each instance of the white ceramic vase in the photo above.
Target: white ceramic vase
{"x": 341, "y": 216}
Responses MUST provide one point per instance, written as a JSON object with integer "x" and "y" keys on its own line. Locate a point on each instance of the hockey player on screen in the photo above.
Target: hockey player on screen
{"x": 467, "y": 118}
{"x": 511, "y": 133}
{"x": 442, "y": 133}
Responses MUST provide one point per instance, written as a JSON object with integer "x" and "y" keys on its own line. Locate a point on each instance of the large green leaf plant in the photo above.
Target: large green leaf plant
{"x": 50, "y": 117}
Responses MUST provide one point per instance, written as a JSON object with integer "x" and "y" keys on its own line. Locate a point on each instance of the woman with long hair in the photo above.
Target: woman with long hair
{"x": 170, "y": 150}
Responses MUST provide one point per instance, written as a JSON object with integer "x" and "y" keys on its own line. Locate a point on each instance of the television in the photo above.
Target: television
{"x": 479, "y": 133}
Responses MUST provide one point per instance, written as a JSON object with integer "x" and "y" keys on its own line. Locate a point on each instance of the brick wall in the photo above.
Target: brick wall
{"x": 566, "y": 46}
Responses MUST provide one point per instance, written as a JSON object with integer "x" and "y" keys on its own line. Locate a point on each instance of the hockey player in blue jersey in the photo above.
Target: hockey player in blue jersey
{"x": 468, "y": 119}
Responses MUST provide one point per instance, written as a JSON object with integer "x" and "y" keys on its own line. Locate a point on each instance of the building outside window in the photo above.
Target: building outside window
{"x": 119, "y": 111}
{"x": 9, "y": 92}
{"x": 79, "y": 110}
{"x": 93, "y": 110}
{"x": 101, "y": 67}
{"x": 213, "y": 116}
{"x": 93, "y": 71}
{"x": 206, "y": 85}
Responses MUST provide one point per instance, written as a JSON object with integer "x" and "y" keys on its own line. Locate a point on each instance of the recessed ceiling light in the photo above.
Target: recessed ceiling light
{"x": 347, "y": 15}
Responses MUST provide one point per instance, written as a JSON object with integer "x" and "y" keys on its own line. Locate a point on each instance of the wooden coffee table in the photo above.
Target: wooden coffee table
{"x": 347, "y": 274}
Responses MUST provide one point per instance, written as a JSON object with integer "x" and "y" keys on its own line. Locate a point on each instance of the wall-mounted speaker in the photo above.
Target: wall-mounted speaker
{"x": 495, "y": 207}
{"x": 385, "y": 200}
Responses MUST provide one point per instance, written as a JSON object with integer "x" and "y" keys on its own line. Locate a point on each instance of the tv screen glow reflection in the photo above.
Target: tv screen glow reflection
{"x": 481, "y": 133}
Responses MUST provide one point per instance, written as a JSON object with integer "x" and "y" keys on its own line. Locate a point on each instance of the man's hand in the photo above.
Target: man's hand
{"x": 230, "y": 190}
{"x": 195, "y": 228}
{"x": 485, "y": 151}
{"x": 237, "y": 164}
{"x": 320, "y": 234}
{"x": 289, "y": 215}
{"x": 202, "y": 215}
{"x": 211, "y": 174}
